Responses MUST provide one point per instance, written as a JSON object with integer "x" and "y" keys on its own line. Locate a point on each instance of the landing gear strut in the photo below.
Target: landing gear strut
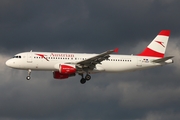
{"x": 29, "y": 73}
{"x": 84, "y": 79}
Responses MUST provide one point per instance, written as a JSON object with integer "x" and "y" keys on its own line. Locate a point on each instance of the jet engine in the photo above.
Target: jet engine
{"x": 58, "y": 75}
{"x": 67, "y": 69}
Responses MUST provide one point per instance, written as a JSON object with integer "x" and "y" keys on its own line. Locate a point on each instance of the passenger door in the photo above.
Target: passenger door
{"x": 139, "y": 62}
{"x": 29, "y": 57}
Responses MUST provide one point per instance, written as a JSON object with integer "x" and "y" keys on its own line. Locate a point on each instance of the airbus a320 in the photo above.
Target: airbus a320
{"x": 65, "y": 65}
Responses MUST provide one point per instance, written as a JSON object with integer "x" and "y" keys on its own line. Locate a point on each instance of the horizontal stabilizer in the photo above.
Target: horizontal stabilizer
{"x": 162, "y": 59}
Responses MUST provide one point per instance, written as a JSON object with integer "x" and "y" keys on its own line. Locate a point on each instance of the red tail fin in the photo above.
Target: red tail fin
{"x": 157, "y": 47}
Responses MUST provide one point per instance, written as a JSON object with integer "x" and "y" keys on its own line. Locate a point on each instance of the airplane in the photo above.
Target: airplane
{"x": 65, "y": 65}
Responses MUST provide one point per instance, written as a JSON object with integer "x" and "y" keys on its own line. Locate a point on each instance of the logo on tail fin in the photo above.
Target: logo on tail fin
{"x": 161, "y": 43}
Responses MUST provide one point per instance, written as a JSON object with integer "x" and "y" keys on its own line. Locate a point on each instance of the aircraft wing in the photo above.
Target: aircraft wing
{"x": 91, "y": 62}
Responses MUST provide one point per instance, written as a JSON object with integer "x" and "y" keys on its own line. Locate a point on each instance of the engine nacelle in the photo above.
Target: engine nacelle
{"x": 66, "y": 69}
{"x": 58, "y": 75}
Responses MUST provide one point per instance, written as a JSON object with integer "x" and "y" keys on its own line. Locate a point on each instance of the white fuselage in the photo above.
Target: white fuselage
{"x": 66, "y": 65}
{"x": 50, "y": 61}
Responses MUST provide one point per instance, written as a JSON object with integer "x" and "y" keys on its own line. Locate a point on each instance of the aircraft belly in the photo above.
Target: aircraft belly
{"x": 119, "y": 67}
{"x": 47, "y": 66}
{"x": 40, "y": 65}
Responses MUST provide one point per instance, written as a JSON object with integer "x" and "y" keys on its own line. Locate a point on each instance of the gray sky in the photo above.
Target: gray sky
{"x": 89, "y": 26}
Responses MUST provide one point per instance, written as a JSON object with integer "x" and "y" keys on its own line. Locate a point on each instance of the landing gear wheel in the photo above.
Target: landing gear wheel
{"x": 87, "y": 77}
{"x": 83, "y": 81}
{"x": 28, "y": 77}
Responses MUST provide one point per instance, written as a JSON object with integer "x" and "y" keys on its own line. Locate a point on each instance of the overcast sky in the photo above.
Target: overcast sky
{"x": 89, "y": 26}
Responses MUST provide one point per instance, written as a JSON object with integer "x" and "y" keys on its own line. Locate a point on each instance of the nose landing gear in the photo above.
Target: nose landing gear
{"x": 29, "y": 73}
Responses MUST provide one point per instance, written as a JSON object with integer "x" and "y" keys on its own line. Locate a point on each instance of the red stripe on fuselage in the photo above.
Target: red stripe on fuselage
{"x": 151, "y": 53}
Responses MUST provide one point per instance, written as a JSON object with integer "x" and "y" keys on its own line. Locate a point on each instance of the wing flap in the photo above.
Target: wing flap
{"x": 98, "y": 58}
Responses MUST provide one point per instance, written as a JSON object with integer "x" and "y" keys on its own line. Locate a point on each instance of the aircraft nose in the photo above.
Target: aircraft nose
{"x": 8, "y": 62}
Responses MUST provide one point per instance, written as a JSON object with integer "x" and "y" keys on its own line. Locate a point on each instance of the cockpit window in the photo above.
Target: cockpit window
{"x": 16, "y": 56}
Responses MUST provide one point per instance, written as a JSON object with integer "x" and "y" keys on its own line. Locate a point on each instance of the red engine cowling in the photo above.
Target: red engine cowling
{"x": 66, "y": 69}
{"x": 58, "y": 75}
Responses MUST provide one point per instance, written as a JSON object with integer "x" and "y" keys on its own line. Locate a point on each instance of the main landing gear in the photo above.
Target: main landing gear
{"x": 29, "y": 73}
{"x": 84, "y": 79}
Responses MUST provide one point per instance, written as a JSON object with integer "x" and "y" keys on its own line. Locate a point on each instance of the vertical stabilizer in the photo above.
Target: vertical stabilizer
{"x": 158, "y": 46}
